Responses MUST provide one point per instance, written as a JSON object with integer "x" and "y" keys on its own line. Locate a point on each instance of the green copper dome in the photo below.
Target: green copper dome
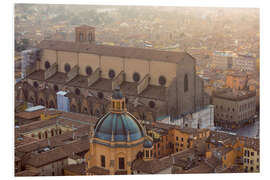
{"x": 118, "y": 127}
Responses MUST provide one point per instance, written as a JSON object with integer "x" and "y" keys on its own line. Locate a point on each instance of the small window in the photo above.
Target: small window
{"x": 162, "y": 80}
{"x": 176, "y": 138}
{"x": 100, "y": 95}
{"x": 146, "y": 153}
{"x": 67, "y": 68}
{"x": 89, "y": 36}
{"x": 136, "y": 77}
{"x": 152, "y": 104}
{"x": 121, "y": 163}
{"x": 252, "y": 153}
{"x": 111, "y": 74}
{"x": 88, "y": 70}
{"x": 77, "y": 91}
{"x": 55, "y": 87}
{"x": 36, "y": 84}
{"x": 47, "y": 65}
{"x": 102, "y": 161}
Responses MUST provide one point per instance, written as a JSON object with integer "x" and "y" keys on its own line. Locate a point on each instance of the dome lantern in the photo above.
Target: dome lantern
{"x": 118, "y": 104}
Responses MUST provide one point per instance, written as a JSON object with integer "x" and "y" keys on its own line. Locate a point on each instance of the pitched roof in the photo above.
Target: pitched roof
{"x": 153, "y": 166}
{"x": 78, "y": 169}
{"x": 116, "y": 51}
{"x": 48, "y": 157}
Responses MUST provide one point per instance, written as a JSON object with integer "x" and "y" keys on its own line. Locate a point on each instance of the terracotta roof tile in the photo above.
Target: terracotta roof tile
{"x": 78, "y": 169}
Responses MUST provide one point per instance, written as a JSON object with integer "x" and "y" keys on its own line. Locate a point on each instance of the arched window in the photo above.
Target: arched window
{"x": 88, "y": 70}
{"x": 36, "y": 84}
{"x": 186, "y": 83}
{"x": 81, "y": 36}
{"x": 152, "y": 104}
{"x": 136, "y": 77}
{"x": 73, "y": 108}
{"x": 89, "y": 36}
{"x": 55, "y": 87}
{"x": 47, "y": 65}
{"x": 100, "y": 95}
{"x": 103, "y": 163}
{"x": 77, "y": 91}
{"x": 60, "y": 131}
{"x": 46, "y": 134}
{"x": 111, "y": 73}
{"x": 121, "y": 163}
{"x": 67, "y": 68}
{"x": 52, "y": 132}
{"x": 39, "y": 135}
{"x": 41, "y": 102}
{"x": 51, "y": 104}
{"x": 85, "y": 110}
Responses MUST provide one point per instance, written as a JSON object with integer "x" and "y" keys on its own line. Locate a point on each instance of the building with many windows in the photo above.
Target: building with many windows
{"x": 251, "y": 155}
{"x": 234, "y": 108}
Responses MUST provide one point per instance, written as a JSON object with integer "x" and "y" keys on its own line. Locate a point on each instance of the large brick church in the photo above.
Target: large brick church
{"x": 155, "y": 83}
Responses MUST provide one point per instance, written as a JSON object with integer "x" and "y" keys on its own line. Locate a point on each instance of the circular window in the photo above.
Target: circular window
{"x": 67, "y": 67}
{"x": 111, "y": 74}
{"x": 55, "y": 87}
{"x": 136, "y": 77}
{"x": 47, "y": 65}
{"x": 88, "y": 70}
{"x": 77, "y": 91}
{"x": 35, "y": 84}
{"x": 51, "y": 104}
{"x": 162, "y": 80}
{"x": 152, "y": 104}
{"x": 100, "y": 95}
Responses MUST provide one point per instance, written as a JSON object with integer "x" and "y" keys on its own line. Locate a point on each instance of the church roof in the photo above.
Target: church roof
{"x": 118, "y": 127}
{"x": 116, "y": 51}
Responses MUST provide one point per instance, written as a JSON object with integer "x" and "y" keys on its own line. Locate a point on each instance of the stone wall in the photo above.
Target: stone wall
{"x": 118, "y": 80}
{"x": 94, "y": 77}
{"x": 51, "y": 71}
{"x": 72, "y": 73}
{"x": 143, "y": 84}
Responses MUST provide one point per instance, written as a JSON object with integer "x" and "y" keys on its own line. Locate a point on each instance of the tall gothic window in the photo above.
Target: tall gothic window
{"x": 186, "y": 83}
{"x": 121, "y": 163}
{"x": 102, "y": 161}
{"x": 89, "y": 36}
{"x": 81, "y": 36}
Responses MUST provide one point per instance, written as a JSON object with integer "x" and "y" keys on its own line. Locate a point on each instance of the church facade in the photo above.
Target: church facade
{"x": 155, "y": 83}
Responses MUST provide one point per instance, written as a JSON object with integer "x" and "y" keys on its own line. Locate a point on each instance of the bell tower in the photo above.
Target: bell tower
{"x": 85, "y": 34}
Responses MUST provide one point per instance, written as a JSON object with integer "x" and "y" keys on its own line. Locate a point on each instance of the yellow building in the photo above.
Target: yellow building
{"x": 251, "y": 155}
{"x": 116, "y": 140}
